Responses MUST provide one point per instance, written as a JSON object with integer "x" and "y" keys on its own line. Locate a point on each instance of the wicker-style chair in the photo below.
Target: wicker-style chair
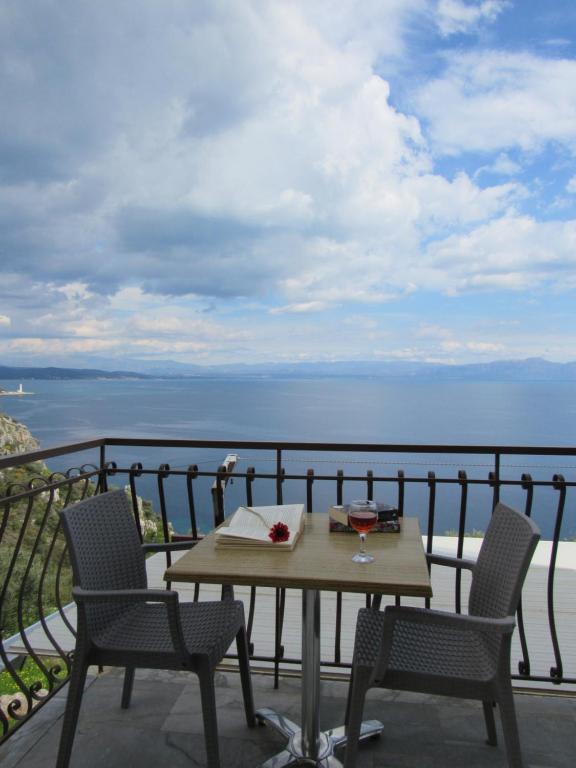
{"x": 122, "y": 623}
{"x": 467, "y": 656}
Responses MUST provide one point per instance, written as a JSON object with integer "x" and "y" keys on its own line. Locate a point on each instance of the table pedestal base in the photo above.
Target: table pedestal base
{"x": 328, "y": 741}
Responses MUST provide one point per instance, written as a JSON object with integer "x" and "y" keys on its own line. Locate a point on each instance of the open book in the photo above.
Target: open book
{"x": 250, "y": 527}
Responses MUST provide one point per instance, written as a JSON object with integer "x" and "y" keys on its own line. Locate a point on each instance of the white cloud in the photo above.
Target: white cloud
{"x": 316, "y": 152}
{"x": 307, "y": 306}
{"x": 46, "y": 348}
{"x": 406, "y": 353}
{"x": 5, "y": 320}
{"x": 371, "y": 26}
{"x": 490, "y": 100}
{"x": 162, "y": 348}
{"x": 434, "y": 331}
{"x": 559, "y": 42}
{"x": 479, "y": 347}
{"x": 442, "y": 341}
{"x": 485, "y": 347}
{"x": 133, "y": 298}
{"x": 503, "y": 165}
{"x": 75, "y": 291}
{"x": 177, "y": 324}
{"x": 442, "y": 203}
{"x": 361, "y": 323}
{"x": 571, "y": 186}
{"x": 512, "y": 253}
{"x": 459, "y": 16}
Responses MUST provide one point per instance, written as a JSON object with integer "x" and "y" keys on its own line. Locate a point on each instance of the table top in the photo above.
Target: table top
{"x": 320, "y": 560}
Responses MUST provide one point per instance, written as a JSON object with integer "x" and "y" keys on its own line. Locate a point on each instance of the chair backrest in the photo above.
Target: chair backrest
{"x": 105, "y": 549}
{"x": 502, "y": 563}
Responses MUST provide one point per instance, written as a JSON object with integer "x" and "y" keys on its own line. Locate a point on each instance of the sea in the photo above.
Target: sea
{"x": 337, "y": 410}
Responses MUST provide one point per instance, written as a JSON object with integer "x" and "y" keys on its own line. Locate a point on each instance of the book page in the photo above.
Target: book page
{"x": 255, "y": 526}
{"x": 249, "y": 529}
{"x": 291, "y": 514}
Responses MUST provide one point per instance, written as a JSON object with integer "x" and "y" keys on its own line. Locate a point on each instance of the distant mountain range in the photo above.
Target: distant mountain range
{"x": 531, "y": 369}
{"x": 12, "y": 373}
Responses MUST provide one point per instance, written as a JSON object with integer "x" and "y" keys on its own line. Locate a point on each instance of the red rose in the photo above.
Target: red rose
{"x": 279, "y": 532}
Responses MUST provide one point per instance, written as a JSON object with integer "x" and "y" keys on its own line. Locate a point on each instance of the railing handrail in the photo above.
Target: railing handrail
{"x": 17, "y": 459}
{"x": 14, "y": 460}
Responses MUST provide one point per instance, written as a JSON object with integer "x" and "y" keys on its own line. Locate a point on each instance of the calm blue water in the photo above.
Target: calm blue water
{"x": 324, "y": 410}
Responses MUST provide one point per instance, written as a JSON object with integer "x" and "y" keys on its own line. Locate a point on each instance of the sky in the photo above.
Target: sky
{"x": 248, "y": 181}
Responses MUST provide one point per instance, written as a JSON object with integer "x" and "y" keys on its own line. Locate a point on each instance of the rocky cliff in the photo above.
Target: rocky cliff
{"x": 15, "y": 437}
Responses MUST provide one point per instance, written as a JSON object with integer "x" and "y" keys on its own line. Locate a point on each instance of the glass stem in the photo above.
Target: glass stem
{"x": 362, "y": 543}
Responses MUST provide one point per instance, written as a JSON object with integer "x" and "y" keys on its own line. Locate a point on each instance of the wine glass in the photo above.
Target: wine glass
{"x": 362, "y": 516}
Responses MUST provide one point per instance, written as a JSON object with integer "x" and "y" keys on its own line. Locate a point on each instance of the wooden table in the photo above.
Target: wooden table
{"x": 320, "y": 561}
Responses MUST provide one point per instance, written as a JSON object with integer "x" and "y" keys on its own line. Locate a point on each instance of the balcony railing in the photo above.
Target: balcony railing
{"x": 450, "y": 487}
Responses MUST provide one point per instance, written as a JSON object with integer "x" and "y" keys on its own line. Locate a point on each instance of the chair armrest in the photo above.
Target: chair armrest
{"x": 452, "y": 562}
{"x": 124, "y": 595}
{"x": 456, "y": 621}
{"x": 166, "y": 596}
{"x": 171, "y": 546}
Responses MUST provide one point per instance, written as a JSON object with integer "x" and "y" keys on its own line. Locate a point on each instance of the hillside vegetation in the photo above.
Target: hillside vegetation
{"x": 33, "y": 562}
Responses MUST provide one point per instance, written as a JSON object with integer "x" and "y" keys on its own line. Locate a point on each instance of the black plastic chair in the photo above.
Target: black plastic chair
{"x": 122, "y": 623}
{"x": 466, "y": 656}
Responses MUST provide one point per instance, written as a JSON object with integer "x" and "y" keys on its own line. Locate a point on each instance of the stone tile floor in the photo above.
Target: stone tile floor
{"x": 163, "y": 727}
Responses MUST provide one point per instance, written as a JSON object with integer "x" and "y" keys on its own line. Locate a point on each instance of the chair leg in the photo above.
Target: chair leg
{"x": 244, "y": 664}
{"x": 492, "y": 739}
{"x": 75, "y": 691}
{"x": 348, "y": 697}
{"x": 359, "y": 684}
{"x": 208, "y": 698}
{"x": 510, "y": 727}
{"x": 227, "y": 592}
{"x": 127, "y": 687}
{"x": 376, "y": 602}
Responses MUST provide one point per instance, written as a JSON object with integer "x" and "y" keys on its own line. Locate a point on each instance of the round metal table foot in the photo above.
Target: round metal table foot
{"x": 328, "y": 741}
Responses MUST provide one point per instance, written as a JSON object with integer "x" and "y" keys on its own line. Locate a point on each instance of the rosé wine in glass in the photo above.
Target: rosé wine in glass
{"x": 362, "y": 516}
